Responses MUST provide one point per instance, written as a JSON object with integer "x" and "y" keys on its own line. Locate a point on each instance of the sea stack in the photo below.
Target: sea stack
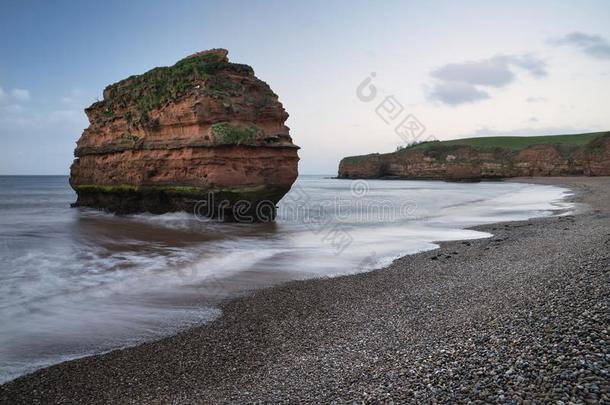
{"x": 202, "y": 135}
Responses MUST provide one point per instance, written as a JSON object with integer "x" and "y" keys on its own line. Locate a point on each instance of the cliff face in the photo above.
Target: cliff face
{"x": 464, "y": 162}
{"x": 204, "y": 129}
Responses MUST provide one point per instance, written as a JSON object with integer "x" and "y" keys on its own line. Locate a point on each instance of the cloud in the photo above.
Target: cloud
{"x": 18, "y": 116}
{"x": 51, "y": 127}
{"x": 535, "y": 99}
{"x": 15, "y": 96}
{"x": 533, "y": 65}
{"x": 454, "y": 93}
{"x": 73, "y": 98}
{"x": 11, "y": 109}
{"x": 493, "y": 72}
{"x": 14, "y": 117}
{"x": 459, "y": 83}
{"x": 490, "y": 72}
{"x": 593, "y": 45}
{"x": 66, "y": 117}
{"x": 21, "y": 95}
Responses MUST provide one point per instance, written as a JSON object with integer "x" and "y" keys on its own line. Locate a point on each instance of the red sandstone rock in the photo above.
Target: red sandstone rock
{"x": 163, "y": 140}
{"x": 462, "y": 162}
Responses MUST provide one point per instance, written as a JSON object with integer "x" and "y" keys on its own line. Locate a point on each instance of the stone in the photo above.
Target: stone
{"x": 202, "y": 135}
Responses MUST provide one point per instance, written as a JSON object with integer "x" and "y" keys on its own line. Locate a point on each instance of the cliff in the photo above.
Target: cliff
{"x": 487, "y": 158}
{"x": 204, "y": 129}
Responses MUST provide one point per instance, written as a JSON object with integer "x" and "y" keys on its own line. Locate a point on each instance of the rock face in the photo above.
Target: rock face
{"x": 204, "y": 134}
{"x": 470, "y": 163}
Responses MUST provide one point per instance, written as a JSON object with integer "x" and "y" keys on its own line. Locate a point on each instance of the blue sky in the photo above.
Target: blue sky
{"x": 473, "y": 68}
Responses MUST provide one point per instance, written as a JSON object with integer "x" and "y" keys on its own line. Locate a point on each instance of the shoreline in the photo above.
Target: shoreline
{"x": 375, "y": 335}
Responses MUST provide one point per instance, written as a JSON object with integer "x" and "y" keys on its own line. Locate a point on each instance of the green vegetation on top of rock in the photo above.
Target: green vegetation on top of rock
{"x": 354, "y": 160}
{"x": 154, "y": 88}
{"x": 514, "y": 142}
{"x": 598, "y": 145}
{"x": 500, "y": 145}
{"x": 227, "y": 134}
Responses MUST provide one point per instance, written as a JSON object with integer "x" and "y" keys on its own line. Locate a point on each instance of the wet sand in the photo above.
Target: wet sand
{"x": 521, "y": 316}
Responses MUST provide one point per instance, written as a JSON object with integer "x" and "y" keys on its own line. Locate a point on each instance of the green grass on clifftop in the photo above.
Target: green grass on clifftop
{"x": 516, "y": 142}
{"x": 354, "y": 160}
{"x": 594, "y": 142}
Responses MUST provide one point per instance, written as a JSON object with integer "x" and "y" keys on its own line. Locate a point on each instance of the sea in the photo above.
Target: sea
{"x": 76, "y": 282}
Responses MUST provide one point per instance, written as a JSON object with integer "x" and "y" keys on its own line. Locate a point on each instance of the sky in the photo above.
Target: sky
{"x": 355, "y": 76}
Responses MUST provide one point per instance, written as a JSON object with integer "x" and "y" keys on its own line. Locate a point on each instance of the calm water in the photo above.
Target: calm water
{"x": 74, "y": 282}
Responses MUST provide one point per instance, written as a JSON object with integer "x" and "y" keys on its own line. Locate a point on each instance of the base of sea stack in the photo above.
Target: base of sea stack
{"x": 238, "y": 204}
